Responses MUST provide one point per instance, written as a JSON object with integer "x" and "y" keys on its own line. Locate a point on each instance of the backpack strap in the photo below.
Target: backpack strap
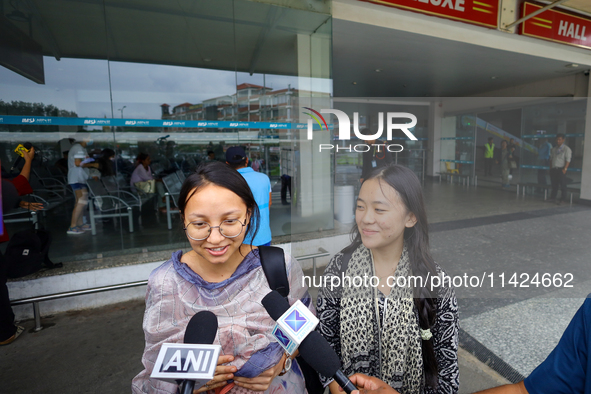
{"x": 345, "y": 260}
{"x": 273, "y": 263}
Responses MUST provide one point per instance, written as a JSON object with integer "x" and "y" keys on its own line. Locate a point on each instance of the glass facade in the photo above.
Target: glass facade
{"x": 174, "y": 82}
{"x": 457, "y": 144}
{"x": 531, "y": 127}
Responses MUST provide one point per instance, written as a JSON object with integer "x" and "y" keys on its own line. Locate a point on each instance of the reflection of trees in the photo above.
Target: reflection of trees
{"x": 23, "y": 108}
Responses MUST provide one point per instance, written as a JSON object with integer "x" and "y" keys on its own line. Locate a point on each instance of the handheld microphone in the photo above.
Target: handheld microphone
{"x": 19, "y": 159}
{"x": 314, "y": 349}
{"x": 322, "y": 358}
{"x": 293, "y": 323}
{"x": 193, "y": 362}
{"x": 201, "y": 330}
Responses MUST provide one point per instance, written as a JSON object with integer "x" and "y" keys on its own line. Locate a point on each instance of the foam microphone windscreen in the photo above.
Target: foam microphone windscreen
{"x": 275, "y": 304}
{"x": 319, "y": 354}
{"x": 202, "y": 328}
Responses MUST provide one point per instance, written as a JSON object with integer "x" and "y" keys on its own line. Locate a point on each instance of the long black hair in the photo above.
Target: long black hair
{"x": 221, "y": 174}
{"x": 416, "y": 239}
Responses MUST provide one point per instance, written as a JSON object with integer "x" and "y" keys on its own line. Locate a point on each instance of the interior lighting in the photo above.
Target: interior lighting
{"x": 572, "y": 65}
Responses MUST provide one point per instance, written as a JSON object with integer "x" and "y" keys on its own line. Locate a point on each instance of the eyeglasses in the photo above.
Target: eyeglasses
{"x": 198, "y": 231}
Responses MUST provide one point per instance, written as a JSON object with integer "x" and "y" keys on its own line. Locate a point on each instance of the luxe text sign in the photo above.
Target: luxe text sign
{"x": 478, "y": 12}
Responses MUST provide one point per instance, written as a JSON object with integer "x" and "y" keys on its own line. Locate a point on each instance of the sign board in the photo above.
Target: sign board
{"x": 557, "y": 26}
{"x": 477, "y": 12}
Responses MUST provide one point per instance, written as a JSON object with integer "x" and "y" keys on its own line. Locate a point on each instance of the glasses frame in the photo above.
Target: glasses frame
{"x": 219, "y": 229}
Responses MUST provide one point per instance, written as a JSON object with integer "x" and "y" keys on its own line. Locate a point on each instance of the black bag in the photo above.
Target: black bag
{"x": 273, "y": 263}
{"x": 27, "y": 252}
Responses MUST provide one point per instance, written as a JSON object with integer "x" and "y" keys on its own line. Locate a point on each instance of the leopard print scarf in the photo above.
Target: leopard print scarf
{"x": 401, "y": 355}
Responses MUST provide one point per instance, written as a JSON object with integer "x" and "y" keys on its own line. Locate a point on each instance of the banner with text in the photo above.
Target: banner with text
{"x": 478, "y": 12}
{"x": 557, "y": 26}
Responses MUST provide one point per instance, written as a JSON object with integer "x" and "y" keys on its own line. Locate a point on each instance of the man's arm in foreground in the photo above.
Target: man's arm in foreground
{"x": 516, "y": 388}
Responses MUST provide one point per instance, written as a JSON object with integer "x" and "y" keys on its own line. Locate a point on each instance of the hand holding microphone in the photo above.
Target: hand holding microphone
{"x": 314, "y": 348}
{"x": 370, "y": 385}
{"x": 196, "y": 362}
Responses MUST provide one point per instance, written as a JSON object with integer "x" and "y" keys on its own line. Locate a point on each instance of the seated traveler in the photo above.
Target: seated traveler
{"x": 143, "y": 180}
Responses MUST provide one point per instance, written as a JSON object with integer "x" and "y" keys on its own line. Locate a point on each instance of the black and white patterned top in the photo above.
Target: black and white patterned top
{"x": 445, "y": 330}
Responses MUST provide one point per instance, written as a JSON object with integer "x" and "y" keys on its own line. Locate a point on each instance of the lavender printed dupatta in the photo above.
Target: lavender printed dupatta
{"x": 175, "y": 293}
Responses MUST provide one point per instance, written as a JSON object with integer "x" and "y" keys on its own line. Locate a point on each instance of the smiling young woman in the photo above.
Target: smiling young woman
{"x": 223, "y": 275}
{"x": 395, "y": 328}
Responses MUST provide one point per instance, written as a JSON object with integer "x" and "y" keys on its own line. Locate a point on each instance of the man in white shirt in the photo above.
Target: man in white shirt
{"x": 77, "y": 176}
{"x": 560, "y": 158}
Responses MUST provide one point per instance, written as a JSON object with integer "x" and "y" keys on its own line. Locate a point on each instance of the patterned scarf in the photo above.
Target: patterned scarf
{"x": 362, "y": 334}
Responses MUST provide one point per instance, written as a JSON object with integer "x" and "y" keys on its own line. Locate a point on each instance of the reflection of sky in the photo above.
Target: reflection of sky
{"x": 82, "y": 86}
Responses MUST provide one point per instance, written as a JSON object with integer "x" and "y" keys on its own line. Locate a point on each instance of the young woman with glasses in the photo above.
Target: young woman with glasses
{"x": 223, "y": 275}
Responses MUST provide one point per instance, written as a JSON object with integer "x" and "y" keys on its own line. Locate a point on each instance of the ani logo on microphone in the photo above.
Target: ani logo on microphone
{"x": 186, "y": 361}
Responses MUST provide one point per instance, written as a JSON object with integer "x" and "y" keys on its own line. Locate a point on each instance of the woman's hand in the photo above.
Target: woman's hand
{"x": 31, "y": 206}
{"x": 263, "y": 381}
{"x": 222, "y": 374}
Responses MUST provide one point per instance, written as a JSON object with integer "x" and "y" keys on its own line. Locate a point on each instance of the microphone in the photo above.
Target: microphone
{"x": 322, "y": 358}
{"x": 193, "y": 362}
{"x": 314, "y": 349}
{"x": 293, "y": 323}
{"x": 17, "y": 162}
{"x": 201, "y": 330}
{"x": 275, "y": 304}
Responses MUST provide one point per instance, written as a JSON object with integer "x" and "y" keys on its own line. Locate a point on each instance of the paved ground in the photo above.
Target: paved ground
{"x": 99, "y": 351}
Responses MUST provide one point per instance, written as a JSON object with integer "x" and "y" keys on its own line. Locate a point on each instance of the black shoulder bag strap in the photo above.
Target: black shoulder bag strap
{"x": 273, "y": 263}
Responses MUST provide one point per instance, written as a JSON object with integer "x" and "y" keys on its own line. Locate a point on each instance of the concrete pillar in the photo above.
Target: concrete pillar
{"x": 586, "y": 170}
{"x": 434, "y": 138}
{"x": 314, "y": 178}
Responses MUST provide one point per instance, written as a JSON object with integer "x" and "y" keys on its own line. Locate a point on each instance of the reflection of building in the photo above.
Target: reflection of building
{"x": 250, "y": 103}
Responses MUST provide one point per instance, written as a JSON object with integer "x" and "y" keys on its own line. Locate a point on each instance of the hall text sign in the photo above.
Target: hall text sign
{"x": 557, "y": 26}
{"x": 478, "y": 12}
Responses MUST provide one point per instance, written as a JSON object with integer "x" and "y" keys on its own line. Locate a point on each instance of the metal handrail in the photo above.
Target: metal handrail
{"x": 37, "y": 299}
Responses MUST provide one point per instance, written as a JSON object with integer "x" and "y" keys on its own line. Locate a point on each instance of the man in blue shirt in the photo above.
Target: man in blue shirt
{"x": 260, "y": 185}
{"x": 567, "y": 369}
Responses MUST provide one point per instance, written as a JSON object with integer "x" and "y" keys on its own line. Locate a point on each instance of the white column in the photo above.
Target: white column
{"x": 586, "y": 170}
{"x": 434, "y": 138}
{"x": 313, "y": 168}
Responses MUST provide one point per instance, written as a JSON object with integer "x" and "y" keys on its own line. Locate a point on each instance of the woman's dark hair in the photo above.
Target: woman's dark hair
{"x": 107, "y": 153}
{"x": 221, "y": 174}
{"x": 141, "y": 157}
{"x": 416, "y": 240}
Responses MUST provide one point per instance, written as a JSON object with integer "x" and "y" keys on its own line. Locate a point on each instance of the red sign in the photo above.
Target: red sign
{"x": 557, "y": 26}
{"x": 478, "y": 12}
